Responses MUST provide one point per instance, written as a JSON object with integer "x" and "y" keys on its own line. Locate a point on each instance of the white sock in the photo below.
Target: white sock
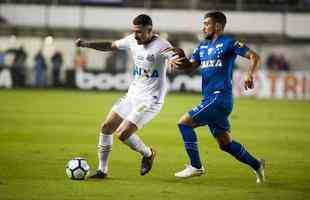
{"x": 135, "y": 143}
{"x": 104, "y": 149}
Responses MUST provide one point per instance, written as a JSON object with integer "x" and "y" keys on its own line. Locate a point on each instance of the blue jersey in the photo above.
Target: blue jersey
{"x": 217, "y": 59}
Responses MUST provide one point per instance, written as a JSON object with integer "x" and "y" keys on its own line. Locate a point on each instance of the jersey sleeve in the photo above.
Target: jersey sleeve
{"x": 125, "y": 42}
{"x": 196, "y": 55}
{"x": 239, "y": 48}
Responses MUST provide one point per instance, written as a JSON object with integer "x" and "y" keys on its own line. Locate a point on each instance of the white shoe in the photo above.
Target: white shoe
{"x": 190, "y": 171}
{"x": 260, "y": 173}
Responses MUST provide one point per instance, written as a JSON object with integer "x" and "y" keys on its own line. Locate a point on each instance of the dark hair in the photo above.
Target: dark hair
{"x": 217, "y": 17}
{"x": 143, "y": 20}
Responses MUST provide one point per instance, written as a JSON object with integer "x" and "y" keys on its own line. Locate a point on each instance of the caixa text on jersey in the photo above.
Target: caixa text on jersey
{"x": 211, "y": 63}
{"x": 138, "y": 71}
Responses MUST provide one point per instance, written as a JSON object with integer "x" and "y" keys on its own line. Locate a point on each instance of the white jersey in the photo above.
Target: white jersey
{"x": 149, "y": 72}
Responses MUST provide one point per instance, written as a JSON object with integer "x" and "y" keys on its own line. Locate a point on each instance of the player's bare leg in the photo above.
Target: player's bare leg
{"x": 126, "y": 133}
{"x": 186, "y": 126}
{"x": 105, "y": 143}
{"x": 240, "y": 153}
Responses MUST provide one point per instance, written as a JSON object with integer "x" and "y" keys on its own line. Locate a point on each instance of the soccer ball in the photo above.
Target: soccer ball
{"x": 77, "y": 168}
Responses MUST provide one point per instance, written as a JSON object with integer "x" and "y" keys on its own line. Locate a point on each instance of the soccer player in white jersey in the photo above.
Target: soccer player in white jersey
{"x": 145, "y": 95}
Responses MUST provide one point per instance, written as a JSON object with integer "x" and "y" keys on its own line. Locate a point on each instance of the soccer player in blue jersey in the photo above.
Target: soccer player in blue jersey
{"x": 215, "y": 57}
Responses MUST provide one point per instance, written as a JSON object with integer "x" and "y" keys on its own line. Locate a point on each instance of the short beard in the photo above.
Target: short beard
{"x": 139, "y": 42}
{"x": 210, "y": 36}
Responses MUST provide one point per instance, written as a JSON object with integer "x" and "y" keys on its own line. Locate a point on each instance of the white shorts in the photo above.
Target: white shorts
{"x": 138, "y": 111}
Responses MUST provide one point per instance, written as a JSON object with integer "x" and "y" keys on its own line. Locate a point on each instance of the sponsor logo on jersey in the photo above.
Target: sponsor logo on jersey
{"x": 212, "y": 63}
{"x": 138, "y": 71}
{"x": 210, "y": 50}
{"x": 150, "y": 58}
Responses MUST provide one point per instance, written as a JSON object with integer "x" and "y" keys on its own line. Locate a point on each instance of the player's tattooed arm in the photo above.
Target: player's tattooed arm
{"x": 98, "y": 45}
{"x": 255, "y": 60}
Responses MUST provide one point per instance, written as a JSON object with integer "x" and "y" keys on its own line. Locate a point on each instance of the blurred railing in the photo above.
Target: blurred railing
{"x": 239, "y": 5}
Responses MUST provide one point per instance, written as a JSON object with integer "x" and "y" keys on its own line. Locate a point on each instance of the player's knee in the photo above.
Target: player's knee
{"x": 106, "y": 128}
{"x": 187, "y": 121}
{"x": 182, "y": 120}
{"x": 224, "y": 140}
{"x": 123, "y": 134}
{"x": 224, "y": 147}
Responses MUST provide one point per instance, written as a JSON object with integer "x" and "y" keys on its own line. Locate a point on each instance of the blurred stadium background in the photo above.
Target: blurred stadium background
{"x": 277, "y": 29}
{"x": 41, "y": 129}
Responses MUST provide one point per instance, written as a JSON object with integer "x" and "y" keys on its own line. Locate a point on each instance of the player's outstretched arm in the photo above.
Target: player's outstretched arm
{"x": 98, "y": 45}
{"x": 255, "y": 60}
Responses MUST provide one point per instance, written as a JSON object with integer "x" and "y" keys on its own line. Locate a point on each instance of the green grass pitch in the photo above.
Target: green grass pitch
{"x": 41, "y": 130}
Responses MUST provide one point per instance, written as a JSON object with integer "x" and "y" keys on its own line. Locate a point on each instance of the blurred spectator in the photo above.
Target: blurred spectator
{"x": 20, "y": 57}
{"x": 40, "y": 70}
{"x": 18, "y": 65}
{"x": 271, "y": 62}
{"x": 57, "y": 61}
{"x": 117, "y": 62}
{"x": 277, "y": 62}
{"x": 2, "y": 57}
{"x": 79, "y": 60}
{"x": 282, "y": 63}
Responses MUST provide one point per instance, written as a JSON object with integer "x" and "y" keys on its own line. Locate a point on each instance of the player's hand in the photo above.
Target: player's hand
{"x": 176, "y": 57}
{"x": 175, "y": 63}
{"x": 79, "y": 43}
{"x": 173, "y": 51}
{"x": 248, "y": 82}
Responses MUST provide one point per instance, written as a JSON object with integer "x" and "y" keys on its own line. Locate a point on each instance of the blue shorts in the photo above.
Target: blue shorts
{"x": 214, "y": 112}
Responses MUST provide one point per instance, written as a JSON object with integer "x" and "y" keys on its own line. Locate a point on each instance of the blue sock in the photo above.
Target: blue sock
{"x": 190, "y": 143}
{"x": 240, "y": 153}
